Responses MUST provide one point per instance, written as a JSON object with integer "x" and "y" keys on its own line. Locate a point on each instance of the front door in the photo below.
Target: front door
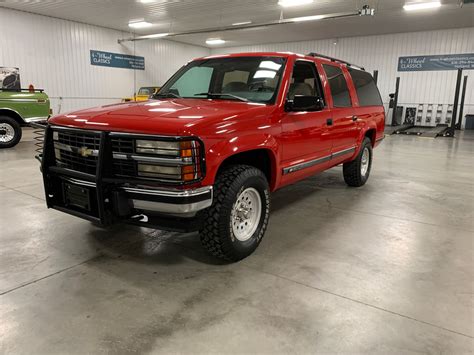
{"x": 305, "y": 138}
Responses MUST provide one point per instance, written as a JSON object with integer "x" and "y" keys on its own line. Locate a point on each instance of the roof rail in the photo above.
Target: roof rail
{"x": 314, "y": 54}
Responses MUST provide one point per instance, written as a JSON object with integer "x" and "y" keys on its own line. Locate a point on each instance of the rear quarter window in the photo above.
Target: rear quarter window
{"x": 366, "y": 88}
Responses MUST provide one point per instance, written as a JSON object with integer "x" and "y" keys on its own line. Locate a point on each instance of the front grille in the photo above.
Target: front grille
{"x": 173, "y": 161}
{"x": 122, "y": 145}
{"x": 77, "y": 150}
{"x": 124, "y": 168}
{"x": 79, "y": 139}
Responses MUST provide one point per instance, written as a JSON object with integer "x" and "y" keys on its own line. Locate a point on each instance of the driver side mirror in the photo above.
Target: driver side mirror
{"x": 305, "y": 103}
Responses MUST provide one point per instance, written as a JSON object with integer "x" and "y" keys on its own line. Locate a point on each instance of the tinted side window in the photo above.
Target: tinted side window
{"x": 304, "y": 81}
{"x": 366, "y": 89}
{"x": 338, "y": 85}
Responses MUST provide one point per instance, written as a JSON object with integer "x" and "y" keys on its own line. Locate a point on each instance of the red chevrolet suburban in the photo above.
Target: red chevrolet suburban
{"x": 206, "y": 152}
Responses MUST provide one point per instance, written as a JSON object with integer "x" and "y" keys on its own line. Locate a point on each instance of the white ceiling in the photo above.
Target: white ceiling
{"x": 185, "y": 15}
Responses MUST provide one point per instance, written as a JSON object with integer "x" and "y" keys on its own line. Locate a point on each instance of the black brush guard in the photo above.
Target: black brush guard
{"x": 108, "y": 204}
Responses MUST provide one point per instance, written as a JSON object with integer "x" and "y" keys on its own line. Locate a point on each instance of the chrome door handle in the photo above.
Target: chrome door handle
{"x": 354, "y": 118}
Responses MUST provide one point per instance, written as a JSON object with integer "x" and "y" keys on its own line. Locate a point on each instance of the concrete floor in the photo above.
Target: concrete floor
{"x": 387, "y": 268}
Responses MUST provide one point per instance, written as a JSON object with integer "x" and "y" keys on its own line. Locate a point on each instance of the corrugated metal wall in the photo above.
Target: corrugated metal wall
{"x": 382, "y": 52}
{"x": 54, "y": 54}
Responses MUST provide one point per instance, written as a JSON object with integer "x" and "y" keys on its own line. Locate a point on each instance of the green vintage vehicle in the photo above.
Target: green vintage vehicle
{"x": 19, "y": 108}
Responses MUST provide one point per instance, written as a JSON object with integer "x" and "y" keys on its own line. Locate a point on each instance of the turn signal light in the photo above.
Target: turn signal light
{"x": 186, "y": 149}
{"x": 188, "y": 172}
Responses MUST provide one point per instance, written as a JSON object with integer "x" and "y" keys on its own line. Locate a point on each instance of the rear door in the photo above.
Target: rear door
{"x": 369, "y": 103}
{"x": 344, "y": 130}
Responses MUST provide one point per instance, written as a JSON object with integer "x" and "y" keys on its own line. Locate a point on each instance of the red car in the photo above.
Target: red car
{"x": 220, "y": 136}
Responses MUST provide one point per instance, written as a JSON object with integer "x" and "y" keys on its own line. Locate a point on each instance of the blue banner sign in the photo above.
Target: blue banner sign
{"x": 436, "y": 62}
{"x": 117, "y": 60}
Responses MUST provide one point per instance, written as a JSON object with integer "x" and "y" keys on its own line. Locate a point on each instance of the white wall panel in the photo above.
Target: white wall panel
{"x": 382, "y": 52}
{"x": 54, "y": 54}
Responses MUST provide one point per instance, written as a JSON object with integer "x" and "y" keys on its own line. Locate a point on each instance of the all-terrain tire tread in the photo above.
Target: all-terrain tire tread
{"x": 210, "y": 233}
{"x": 351, "y": 170}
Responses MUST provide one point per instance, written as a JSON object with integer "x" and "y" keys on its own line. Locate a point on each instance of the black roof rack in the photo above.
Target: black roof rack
{"x": 314, "y": 54}
{"x": 20, "y": 90}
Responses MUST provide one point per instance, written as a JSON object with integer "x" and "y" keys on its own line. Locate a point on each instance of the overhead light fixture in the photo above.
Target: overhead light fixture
{"x": 139, "y": 24}
{"x": 242, "y": 23}
{"x": 146, "y": 1}
{"x": 214, "y": 41}
{"x": 307, "y": 18}
{"x": 422, "y": 5}
{"x": 156, "y": 35}
{"x": 291, "y": 3}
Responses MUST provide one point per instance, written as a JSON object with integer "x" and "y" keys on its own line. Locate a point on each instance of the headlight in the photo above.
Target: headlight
{"x": 183, "y": 173}
{"x": 157, "y": 147}
{"x": 175, "y": 161}
{"x": 161, "y": 171}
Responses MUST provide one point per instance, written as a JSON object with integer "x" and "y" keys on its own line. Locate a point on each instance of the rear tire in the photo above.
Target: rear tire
{"x": 356, "y": 173}
{"x": 236, "y": 222}
{"x": 10, "y": 132}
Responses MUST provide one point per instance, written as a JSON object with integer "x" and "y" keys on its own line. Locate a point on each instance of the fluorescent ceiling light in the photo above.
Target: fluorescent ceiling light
{"x": 422, "y": 5}
{"x": 242, "y": 23}
{"x": 146, "y": 1}
{"x": 290, "y": 3}
{"x": 139, "y": 24}
{"x": 156, "y": 35}
{"x": 214, "y": 41}
{"x": 307, "y": 18}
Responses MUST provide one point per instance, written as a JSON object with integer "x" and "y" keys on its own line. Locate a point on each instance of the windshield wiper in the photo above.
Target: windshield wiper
{"x": 219, "y": 94}
{"x": 168, "y": 94}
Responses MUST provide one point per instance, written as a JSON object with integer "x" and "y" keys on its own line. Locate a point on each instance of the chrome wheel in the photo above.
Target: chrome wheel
{"x": 246, "y": 213}
{"x": 365, "y": 161}
{"x": 7, "y": 132}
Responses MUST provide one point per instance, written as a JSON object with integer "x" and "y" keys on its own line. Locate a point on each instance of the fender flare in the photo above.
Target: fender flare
{"x": 223, "y": 150}
{"x": 368, "y": 126}
{"x": 14, "y": 114}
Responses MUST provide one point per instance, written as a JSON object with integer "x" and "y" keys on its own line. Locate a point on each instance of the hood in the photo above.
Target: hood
{"x": 170, "y": 116}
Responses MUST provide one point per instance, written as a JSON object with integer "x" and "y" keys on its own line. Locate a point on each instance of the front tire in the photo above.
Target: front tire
{"x": 236, "y": 222}
{"x": 356, "y": 173}
{"x": 10, "y": 132}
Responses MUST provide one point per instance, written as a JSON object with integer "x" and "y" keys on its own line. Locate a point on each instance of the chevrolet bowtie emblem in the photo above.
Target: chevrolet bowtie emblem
{"x": 85, "y": 152}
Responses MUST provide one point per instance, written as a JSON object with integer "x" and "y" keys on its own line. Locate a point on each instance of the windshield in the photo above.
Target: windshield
{"x": 254, "y": 79}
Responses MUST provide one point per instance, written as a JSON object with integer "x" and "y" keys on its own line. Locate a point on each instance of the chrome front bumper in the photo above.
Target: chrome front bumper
{"x": 166, "y": 201}
{"x": 36, "y": 119}
{"x": 170, "y": 201}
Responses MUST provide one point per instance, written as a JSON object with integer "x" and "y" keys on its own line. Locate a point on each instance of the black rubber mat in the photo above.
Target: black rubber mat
{"x": 399, "y": 129}
{"x": 434, "y": 131}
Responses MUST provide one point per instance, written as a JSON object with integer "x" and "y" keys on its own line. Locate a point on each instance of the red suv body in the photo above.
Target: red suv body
{"x": 221, "y": 134}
